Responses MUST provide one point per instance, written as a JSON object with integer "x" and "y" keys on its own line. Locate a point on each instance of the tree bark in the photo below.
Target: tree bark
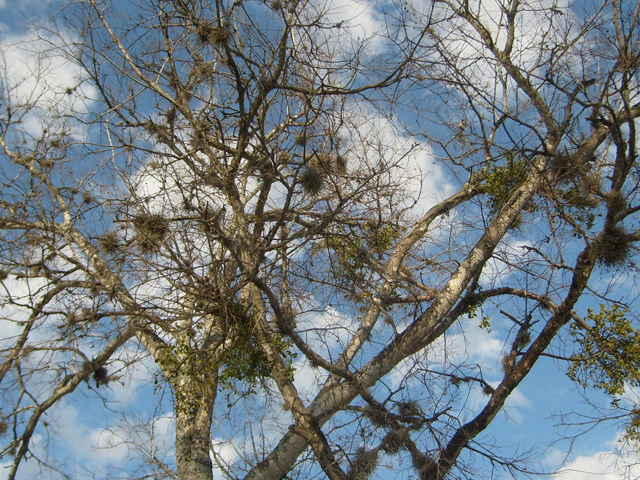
{"x": 194, "y": 408}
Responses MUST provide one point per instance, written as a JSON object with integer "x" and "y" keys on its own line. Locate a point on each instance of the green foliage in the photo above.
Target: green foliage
{"x": 180, "y": 360}
{"x": 609, "y": 359}
{"x": 501, "y": 180}
{"x": 355, "y": 252}
{"x": 243, "y": 362}
{"x": 632, "y": 430}
{"x": 609, "y": 354}
{"x": 246, "y": 361}
{"x": 472, "y": 304}
{"x": 485, "y": 323}
{"x": 380, "y": 237}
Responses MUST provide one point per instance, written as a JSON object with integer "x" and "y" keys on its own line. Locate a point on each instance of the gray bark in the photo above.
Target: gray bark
{"x": 194, "y": 409}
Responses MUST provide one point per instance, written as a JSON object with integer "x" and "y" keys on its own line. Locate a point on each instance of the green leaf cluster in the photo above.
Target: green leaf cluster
{"x": 356, "y": 251}
{"x": 472, "y": 305}
{"x": 182, "y": 361}
{"x": 241, "y": 366}
{"x": 501, "y": 180}
{"x": 632, "y": 430}
{"x": 609, "y": 352}
{"x": 609, "y": 358}
{"x": 246, "y": 362}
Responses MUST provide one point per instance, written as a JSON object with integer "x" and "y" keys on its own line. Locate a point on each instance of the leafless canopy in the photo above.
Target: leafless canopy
{"x": 288, "y": 212}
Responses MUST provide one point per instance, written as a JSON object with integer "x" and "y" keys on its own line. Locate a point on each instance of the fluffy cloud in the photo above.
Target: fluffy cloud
{"x": 611, "y": 460}
{"x": 42, "y": 83}
{"x": 501, "y": 265}
{"x": 605, "y": 465}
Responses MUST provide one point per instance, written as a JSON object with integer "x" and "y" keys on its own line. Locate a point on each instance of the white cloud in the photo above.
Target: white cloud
{"x": 502, "y": 264}
{"x": 474, "y": 344}
{"x": 224, "y": 454}
{"x": 132, "y": 375}
{"x": 360, "y": 21}
{"x": 374, "y": 139}
{"x": 308, "y": 380}
{"x": 349, "y": 27}
{"x": 539, "y": 25}
{"x": 326, "y": 331}
{"x": 76, "y": 439}
{"x": 43, "y": 84}
{"x": 514, "y": 406}
{"x": 110, "y": 446}
{"x": 631, "y": 396}
{"x": 605, "y": 465}
{"x": 11, "y": 314}
{"x": 517, "y": 399}
{"x": 611, "y": 460}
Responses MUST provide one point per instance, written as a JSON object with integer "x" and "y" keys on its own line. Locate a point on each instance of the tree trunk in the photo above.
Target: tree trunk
{"x": 194, "y": 407}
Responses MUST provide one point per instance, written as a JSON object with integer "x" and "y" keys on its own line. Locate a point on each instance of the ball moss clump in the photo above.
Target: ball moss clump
{"x": 213, "y": 35}
{"x": 364, "y": 464}
{"x": 341, "y": 164}
{"x": 150, "y": 231}
{"x": 328, "y": 163}
{"x": 301, "y": 139}
{"x": 394, "y": 441}
{"x": 109, "y": 243}
{"x": 409, "y": 409}
{"x": 88, "y": 198}
{"x": 377, "y": 417}
{"x": 613, "y": 247}
{"x": 101, "y": 376}
{"x": 312, "y": 180}
{"x": 616, "y": 202}
{"x": 508, "y": 361}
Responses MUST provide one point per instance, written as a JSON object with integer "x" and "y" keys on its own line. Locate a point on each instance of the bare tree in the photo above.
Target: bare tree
{"x": 231, "y": 193}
